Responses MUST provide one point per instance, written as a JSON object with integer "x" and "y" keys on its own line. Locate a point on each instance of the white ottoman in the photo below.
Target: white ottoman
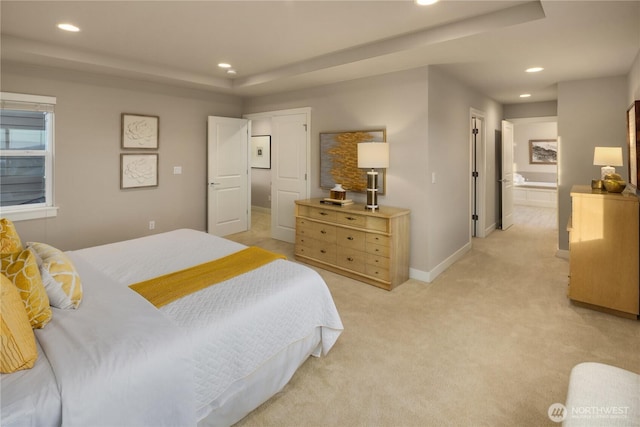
{"x": 602, "y": 395}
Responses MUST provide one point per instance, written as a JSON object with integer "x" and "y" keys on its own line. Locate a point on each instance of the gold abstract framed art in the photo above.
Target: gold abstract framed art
{"x": 339, "y": 159}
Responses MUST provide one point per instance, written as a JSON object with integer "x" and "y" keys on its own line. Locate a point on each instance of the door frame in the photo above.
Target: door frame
{"x": 270, "y": 115}
{"x": 481, "y": 163}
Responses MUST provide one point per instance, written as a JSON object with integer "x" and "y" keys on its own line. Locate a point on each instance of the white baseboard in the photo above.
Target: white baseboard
{"x": 429, "y": 276}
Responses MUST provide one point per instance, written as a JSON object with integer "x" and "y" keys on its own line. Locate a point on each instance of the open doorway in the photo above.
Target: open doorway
{"x": 277, "y": 182}
{"x": 536, "y": 171}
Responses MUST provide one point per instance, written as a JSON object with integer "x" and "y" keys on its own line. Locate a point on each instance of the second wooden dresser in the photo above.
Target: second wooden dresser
{"x": 372, "y": 247}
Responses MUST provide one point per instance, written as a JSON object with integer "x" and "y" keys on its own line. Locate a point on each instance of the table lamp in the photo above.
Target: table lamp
{"x": 373, "y": 155}
{"x": 607, "y": 157}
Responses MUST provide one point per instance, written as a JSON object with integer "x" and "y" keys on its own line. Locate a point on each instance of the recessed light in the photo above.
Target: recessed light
{"x": 525, "y": 95}
{"x": 69, "y": 27}
{"x": 534, "y": 69}
{"x": 231, "y": 71}
{"x": 224, "y": 65}
{"x": 426, "y": 2}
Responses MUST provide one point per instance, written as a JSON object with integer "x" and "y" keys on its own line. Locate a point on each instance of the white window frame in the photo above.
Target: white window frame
{"x": 36, "y": 210}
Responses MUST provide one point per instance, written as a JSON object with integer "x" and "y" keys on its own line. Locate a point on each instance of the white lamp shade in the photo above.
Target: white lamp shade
{"x": 607, "y": 156}
{"x": 373, "y": 155}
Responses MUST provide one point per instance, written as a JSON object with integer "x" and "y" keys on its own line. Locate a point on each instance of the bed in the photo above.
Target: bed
{"x": 207, "y": 359}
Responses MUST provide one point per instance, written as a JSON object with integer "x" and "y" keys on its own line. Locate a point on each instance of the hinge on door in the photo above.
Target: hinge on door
{"x": 474, "y": 217}
{"x": 475, "y": 174}
{"x": 474, "y": 131}
{"x": 305, "y": 126}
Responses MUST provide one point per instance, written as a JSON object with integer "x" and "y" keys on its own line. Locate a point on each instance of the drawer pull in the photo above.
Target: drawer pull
{"x": 349, "y": 259}
{"x": 323, "y": 232}
{"x": 322, "y": 251}
{"x": 323, "y": 213}
{"x": 349, "y": 238}
{"x": 350, "y": 218}
{"x": 377, "y": 250}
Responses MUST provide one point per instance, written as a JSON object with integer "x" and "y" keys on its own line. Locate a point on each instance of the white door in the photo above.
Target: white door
{"x": 228, "y": 196}
{"x": 288, "y": 172}
{"x": 507, "y": 174}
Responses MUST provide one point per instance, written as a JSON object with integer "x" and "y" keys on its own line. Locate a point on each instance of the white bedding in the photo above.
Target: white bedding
{"x": 124, "y": 348}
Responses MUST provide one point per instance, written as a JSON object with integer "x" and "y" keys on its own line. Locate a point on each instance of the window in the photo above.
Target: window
{"x": 26, "y": 156}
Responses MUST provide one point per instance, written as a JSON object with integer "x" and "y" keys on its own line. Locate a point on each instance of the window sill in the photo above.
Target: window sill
{"x": 34, "y": 213}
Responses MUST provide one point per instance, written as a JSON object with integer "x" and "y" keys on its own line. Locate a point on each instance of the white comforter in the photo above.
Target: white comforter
{"x": 119, "y": 361}
{"x": 111, "y": 360}
{"x": 233, "y": 326}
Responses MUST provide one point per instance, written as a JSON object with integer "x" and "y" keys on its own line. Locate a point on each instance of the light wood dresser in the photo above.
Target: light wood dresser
{"x": 604, "y": 256}
{"x": 372, "y": 247}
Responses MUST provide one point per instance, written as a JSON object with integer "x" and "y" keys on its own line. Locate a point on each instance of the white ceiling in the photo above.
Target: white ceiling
{"x": 283, "y": 45}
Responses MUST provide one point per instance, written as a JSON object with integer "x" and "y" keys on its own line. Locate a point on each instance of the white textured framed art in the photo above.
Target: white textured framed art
{"x": 140, "y": 132}
{"x": 138, "y": 170}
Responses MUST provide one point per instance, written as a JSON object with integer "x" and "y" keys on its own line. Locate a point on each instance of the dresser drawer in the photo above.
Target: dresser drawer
{"x": 378, "y": 224}
{"x": 378, "y": 239}
{"x": 351, "y": 259}
{"x": 377, "y": 250}
{"x": 320, "y": 213}
{"x": 316, "y": 230}
{"x": 352, "y": 239}
{"x": 378, "y": 261}
{"x": 379, "y": 273}
{"x": 351, "y": 219}
{"x": 317, "y": 249}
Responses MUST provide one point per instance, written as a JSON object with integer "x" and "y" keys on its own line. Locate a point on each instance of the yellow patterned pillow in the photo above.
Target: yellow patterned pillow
{"x": 9, "y": 238}
{"x": 17, "y": 342}
{"x": 60, "y": 278}
{"x": 22, "y": 269}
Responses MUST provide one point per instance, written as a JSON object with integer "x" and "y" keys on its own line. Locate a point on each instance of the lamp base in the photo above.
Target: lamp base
{"x": 372, "y": 190}
{"x": 606, "y": 170}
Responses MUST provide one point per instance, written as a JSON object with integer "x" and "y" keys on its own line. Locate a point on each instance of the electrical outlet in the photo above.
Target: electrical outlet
{"x": 152, "y": 225}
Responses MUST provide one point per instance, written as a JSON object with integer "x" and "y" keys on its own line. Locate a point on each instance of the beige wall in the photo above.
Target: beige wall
{"x": 397, "y": 102}
{"x": 427, "y": 118}
{"x": 530, "y": 109}
{"x": 93, "y": 208}
{"x": 634, "y": 81}
{"x": 590, "y": 113}
{"x": 449, "y": 157}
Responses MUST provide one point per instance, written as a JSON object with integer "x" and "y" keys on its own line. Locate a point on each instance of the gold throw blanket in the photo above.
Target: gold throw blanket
{"x": 165, "y": 289}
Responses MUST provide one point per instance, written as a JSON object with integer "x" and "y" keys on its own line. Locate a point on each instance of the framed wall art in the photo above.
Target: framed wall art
{"x": 633, "y": 144}
{"x": 140, "y": 132}
{"x": 261, "y": 151}
{"x": 138, "y": 170}
{"x": 339, "y": 159}
{"x": 543, "y": 151}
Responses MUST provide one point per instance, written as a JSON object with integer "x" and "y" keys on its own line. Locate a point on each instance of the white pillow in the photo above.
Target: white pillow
{"x": 60, "y": 278}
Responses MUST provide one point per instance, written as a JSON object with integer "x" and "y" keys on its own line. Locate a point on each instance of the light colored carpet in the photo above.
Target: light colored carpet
{"x": 490, "y": 342}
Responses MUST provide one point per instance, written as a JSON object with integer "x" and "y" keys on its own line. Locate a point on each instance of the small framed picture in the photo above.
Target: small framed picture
{"x": 261, "y": 152}
{"x": 140, "y": 132}
{"x": 543, "y": 151}
{"x": 138, "y": 170}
